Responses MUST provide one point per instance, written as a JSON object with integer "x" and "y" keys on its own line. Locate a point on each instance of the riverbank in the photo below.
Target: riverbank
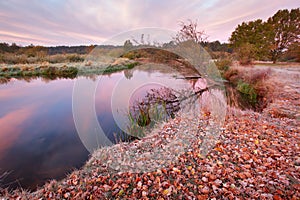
{"x": 256, "y": 156}
{"x": 279, "y": 88}
{"x": 63, "y": 70}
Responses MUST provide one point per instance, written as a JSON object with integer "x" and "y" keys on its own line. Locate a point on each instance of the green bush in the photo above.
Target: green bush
{"x": 68, "y": 72}
{"x": 132, "y": 65}
{"x": 115, "y": 68}
{"x": 14, "y": 69}
{"x": 248, "y": 90}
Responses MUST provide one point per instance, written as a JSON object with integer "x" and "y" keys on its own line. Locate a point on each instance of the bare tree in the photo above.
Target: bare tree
{"x": 189, "y": 31}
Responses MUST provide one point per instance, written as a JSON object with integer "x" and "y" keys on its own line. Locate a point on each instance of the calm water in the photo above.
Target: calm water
{"x": 38, "y": 138}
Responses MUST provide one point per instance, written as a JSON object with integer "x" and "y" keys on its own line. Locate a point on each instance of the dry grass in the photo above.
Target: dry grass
{"x": 232, "y": 75}
{"x": 253, "y": 82}
{"x": 2, "y": 177}
{"x": 257, "y": 76}
{"x": 10, "y": 58}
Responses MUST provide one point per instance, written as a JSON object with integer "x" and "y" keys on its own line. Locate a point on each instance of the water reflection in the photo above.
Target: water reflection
{"x": 38, "y": 137}
{"x": 10, "y": 124}
{"x": 37, "y": 134}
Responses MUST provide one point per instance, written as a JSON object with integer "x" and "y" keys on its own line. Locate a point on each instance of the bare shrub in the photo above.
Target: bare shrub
{"x": 75, "y": 58}
{"x": 258, "y": 76}
{"x": 58, "y": 58}
{"x": 232, "y": 75}
{"x": 32, "y": 60}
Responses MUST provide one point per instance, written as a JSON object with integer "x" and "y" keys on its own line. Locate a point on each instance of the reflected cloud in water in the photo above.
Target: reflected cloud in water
{"x": 10, "y": 127}
{"x": 38, "y": 137}
{"x": 37, "y": 133}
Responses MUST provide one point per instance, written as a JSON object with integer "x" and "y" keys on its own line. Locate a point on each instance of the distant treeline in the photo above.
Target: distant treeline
{"x": 13, "y": 48}
{"x": 31, "y": 49}
{"x": 14, "y": 54}
{"x": 217, "y": 46}
{"x": 70, "y": 49}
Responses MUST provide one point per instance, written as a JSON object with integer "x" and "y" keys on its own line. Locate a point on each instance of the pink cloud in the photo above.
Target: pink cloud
{"x": 85, "y": 22}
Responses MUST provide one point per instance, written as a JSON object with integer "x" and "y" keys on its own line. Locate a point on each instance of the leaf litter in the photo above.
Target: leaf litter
{"x": 256, "y": 156}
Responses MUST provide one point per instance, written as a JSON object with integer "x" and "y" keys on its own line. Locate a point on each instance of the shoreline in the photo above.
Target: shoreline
{"x": 255, "y": 156}
{"x": 239, "y": 157}
{"x": 64, "y": 70}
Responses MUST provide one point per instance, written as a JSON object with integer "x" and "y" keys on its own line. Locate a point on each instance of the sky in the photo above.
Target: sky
{"x": 85, "y": 22}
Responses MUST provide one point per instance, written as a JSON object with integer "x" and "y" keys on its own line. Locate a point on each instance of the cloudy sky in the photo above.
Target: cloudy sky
{"x": 74, "y": 22}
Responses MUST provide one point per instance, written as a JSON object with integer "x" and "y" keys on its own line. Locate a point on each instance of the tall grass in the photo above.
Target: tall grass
{"x": 2, "y": 177}
{"x": 142, "y": 120}
{"x": 157, "y": 106}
